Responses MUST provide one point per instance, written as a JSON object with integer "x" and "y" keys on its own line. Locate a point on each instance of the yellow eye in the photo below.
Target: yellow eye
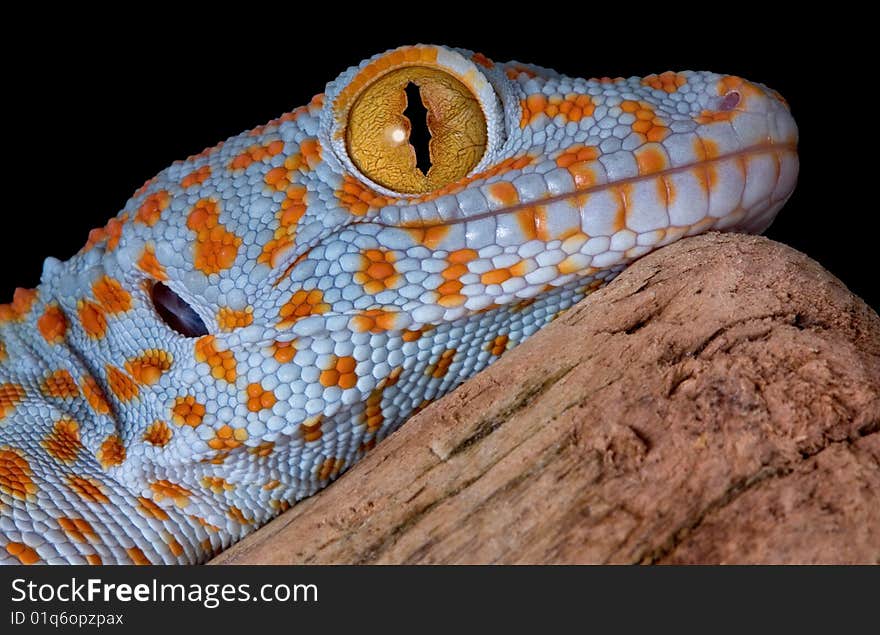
{"x": 382, "y": 135}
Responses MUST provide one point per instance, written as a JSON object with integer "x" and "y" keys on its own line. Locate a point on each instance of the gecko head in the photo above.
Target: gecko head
{"x": 304, "y": 285}
{"x": 517, "y": 177}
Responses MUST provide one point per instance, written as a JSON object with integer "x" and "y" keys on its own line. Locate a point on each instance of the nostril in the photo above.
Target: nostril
{"x": 730, "y": 101}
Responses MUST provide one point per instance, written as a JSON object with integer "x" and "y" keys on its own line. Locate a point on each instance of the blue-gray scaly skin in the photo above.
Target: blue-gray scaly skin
{"x": 259, "y": 316}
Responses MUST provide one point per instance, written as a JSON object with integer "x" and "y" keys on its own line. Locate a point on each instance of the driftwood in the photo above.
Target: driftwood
{"x": 718, "y": 402}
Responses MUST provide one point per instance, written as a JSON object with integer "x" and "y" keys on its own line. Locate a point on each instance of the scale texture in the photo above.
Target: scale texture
{"x": 260, "y": 315}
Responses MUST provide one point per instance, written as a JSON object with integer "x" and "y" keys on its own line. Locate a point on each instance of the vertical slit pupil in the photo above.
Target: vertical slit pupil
{"x": 419, "y": 135}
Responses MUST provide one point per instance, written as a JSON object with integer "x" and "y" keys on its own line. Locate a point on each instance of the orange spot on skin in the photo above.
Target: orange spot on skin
{"x": 373, "y": 416}
{"x": 496, "y": 276}
{"x": 668, "y": 81}
{"x": 219, "y": 458}
{"x": 515, "y": 70}
{"x": 25, "y": 554}
{"x": 10, "y": 396}
{"x": 579, "y": 161}
{"x": 374, "y": 321}
{"x": 498, "y": 345}
{"x": 222, "y": 363}
{"x": 504, "y": 193}
{"x": 284, "y": 352}
{"x": 377, "y": 273}
{"x": 577, "y": 153}
{"x": 91, "y": 316}
{"x": 532, "y": 222}
{"x": 111, "y": 453}
{"x": 88, "y": 489}
{"x": 151, "y": 209}
{"x": 358, "y": 198}
{"x": 449, "y": 290}
{"x": 173, "y": 545}
{"x": 712, "y": 116}
{"x": 149, "y": 264}
{"x": 229, "y": 319}
{"x": 256, "y": 153}
{"x": 302, "y": 304}
{"x": 22, "y": 302}
{"x": 430, "y": 237}
{"x": 228, "y": 438}
{"x": 120, "y": 384}
{"x": 60, "y": 385}
{"x": 217, "y": 484}
{"x": 77, "y": 529}
{"x": 204, "y": 523}
{"x": 95, "y": 396}
{"x": 15, "y": 474}
{"x": 462, "y": 256}
{"x": 196, "y": 177}
{"x": 651, "y": 158}
{"x": 277, "y": 178}
{"x": 259, "y": 398}
{"x": 647, "y": 123}
{"x": 330, "y": 468}
{"x": 705, "y": 149}
{"x": 236, "y": 514}
{"x": 569, "y": 265}
{"x": 412, "y": 336}
{"x": 187, "y": 411}
{"x": 310, "y": 149}
{"x": 292, "y": 209}
{"x": 665, "y": 190}
{"x": 215, "y": 248}
{"x": 94, "y": 559}
{"x": 440, "y": 369}
{"x": 263, "y": 450}
{"x": 341, "y": 372}
{"x": 707, "y": 176}
{"x": 158, "y": 433}
{"x": 149, "y": 508}
{"x": 624, "y": 196}
{"x": 310, "y": 429}
{"x": 482, "y": 60}
{"x": 571, "y": 107}
{"x": 52, "y": 324}
{"x": 147, "y": 368}
{"x": 137, "y": 556}
{"x": 163, "y": 489}
{"x": 111, "y": 232}
{"x": 271, "y": 485}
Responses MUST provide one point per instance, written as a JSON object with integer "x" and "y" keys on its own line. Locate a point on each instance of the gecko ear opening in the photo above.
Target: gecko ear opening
{"x": 176, "y": 313}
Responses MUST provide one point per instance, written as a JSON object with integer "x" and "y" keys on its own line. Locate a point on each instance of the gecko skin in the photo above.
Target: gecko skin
{"x": 259, "y": 316}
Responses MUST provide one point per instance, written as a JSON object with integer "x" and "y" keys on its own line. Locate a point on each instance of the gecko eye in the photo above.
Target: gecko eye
{"x": 176, "y": 313}
{"x": 415, "y": 129}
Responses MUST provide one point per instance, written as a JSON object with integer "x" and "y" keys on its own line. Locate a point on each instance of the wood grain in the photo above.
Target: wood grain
{"x": 718, "y": 402}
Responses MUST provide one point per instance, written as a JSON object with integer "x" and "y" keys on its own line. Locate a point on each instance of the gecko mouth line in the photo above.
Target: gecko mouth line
{"x": 755, "y": 150}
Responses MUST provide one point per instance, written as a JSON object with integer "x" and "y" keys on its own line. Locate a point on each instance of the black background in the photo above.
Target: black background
{"x": 94, "y": 112}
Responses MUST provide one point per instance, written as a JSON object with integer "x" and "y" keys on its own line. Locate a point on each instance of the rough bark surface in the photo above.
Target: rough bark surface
{"x": 718, "y": 402}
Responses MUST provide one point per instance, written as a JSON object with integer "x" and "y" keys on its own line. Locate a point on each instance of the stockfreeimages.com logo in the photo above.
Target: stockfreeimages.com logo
{"x": 94, "y": 590}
